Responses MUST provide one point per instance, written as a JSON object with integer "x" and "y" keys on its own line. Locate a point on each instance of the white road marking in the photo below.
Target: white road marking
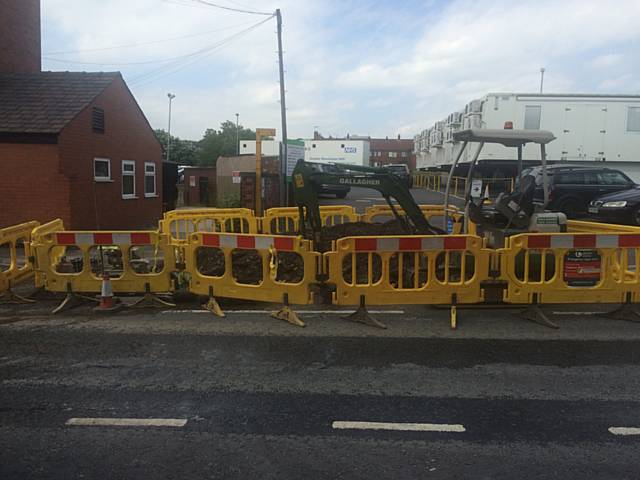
{"x": 365, "y": 201}
{"x": 624, "y": 430}
{"x": 406, "y": 427}
{"x": 127, "y": 422}
{"x": 577, "y": 313}
{"x": 329, "y": 312}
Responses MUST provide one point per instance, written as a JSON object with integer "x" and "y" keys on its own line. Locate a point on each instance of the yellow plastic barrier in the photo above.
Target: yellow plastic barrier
{"x": 179, "y": 224}
{"x": 15, "y": 251}
{"x": 580, "y": 226}
{"x": 571, "y": 268}
{"x": 408, "y": 269}
{"x": 73, "y": 262}
{"x": 285, "y": 220}
{"x": 431, "y": 212}
{"x": 252, "y": 267}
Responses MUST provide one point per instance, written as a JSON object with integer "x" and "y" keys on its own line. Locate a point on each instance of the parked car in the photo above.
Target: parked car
{"x": 619, "y": 207}
{"x": 400, "y": 170}
{"x": 571, "y": 189}
{"x": 340, "y": 191}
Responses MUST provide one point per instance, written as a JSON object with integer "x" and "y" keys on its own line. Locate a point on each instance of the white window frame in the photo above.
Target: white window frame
{"x": 393, "y": 154}
{"x": 102, "y": 179}
{"x": 150, "y": 174}
{"x": 129, "y": 174}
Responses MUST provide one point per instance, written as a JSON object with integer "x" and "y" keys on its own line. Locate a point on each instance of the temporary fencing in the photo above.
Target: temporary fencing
{"x": 74, "y": 261}
{"x": 444, "y": 269}
{"x": 571, "y": 268}
{"x": 433, "y": 213}
{"x": 179, "y": 224}
{"x": 264, "y": 268}
{"x": 286, "y": 220}
{"x": 15, "y": 250}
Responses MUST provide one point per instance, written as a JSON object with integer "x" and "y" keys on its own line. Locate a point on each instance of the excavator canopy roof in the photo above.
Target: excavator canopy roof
{"x": 508, "y": 138}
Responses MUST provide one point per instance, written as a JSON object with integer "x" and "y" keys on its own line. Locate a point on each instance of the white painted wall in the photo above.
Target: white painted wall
{"x": 352, "y": 152}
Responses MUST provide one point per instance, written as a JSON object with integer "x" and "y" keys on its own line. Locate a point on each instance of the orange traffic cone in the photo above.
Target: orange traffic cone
{"x": 107, "y": 301}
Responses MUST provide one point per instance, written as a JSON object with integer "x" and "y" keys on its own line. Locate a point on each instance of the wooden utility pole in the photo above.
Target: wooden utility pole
{"x": 283, "y": 116}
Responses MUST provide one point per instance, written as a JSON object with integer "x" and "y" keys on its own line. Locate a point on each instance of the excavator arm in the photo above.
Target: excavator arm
{"x": 308, "y": 177}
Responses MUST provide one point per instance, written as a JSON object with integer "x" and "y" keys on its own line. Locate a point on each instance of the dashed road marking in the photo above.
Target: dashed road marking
{"x": 624, "y": 430}
{"x": 577, "y": 313}
{"x": 405, "y": 427}
{"x": 127, "y": 422}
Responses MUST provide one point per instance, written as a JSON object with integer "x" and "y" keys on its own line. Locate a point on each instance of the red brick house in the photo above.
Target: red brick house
{"x": 76, "y": 145}
{"x": 395, "y": 150}
{"x": 73, "y": 145}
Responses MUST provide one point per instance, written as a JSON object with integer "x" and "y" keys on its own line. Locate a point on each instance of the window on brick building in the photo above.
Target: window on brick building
{"x": 97, "y": 120}
{"x": 149, "y": 179}
{"x": 102, "y": 169}
{"x": 128, "y": 179}
{"x": 393, "y": 154}
{"x": 405, "y": 154}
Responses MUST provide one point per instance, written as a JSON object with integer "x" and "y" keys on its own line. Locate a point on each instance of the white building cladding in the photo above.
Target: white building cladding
{"x": 588, "y": 128}
{"x": 352, "y": 152}
{"x": 270, "y": 148}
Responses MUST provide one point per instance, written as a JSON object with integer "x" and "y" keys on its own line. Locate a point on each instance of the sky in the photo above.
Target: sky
{"x": 359, "y": 67}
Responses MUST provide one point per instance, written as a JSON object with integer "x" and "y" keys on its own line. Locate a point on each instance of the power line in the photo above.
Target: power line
{"x": 166, "y": 70}
{"x": 164, "y": 60}
{"x": 253, "y": 12}
{"x": 150, "y": 42}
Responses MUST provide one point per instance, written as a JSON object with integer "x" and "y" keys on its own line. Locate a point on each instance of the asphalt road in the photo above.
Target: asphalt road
{"x": 361, "y": 198}
{"x": 251, "y": 397}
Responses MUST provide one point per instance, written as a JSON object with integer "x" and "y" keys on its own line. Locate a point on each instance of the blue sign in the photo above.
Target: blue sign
{"x": 450, "y": 225}
{"x": 349, "y": 149}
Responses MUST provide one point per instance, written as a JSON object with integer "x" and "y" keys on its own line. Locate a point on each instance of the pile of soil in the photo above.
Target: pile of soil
{"x": 357, "y": 229}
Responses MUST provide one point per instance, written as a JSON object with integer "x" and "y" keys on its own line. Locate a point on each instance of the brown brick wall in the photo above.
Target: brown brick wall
{"x": 127, "y": 136}
{"x": 19, "y": 36}
{"x": 31, "y": 185}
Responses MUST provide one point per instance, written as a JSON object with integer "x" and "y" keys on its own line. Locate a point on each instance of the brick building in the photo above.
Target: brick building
{"x": 73, "y": 145}
{"x": 395, "y": 150}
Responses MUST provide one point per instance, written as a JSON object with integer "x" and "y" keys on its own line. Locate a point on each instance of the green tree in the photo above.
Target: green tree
{"x": 183, "y": 152}
{"x": 222, "y": 142}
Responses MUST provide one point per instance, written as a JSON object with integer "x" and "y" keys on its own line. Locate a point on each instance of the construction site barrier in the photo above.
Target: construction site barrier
{"x": 286, "y": 220}
{"x": 581, "y": 226}
{"x": 433, "y": 214}
{"x": 15, "y": 250}
{"x": 264, "y": 268}
{"x": 179, "y": 224}
{"x": 74, "y": 262}
{"x": 446, "y": 269}
{"x": 571, "y": 268}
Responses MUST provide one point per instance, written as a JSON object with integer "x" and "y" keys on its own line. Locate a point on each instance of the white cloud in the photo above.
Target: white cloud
{"x": 352, "y": 65}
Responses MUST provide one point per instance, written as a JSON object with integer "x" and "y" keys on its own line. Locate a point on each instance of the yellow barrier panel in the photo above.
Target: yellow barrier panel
{"x": 439, "y": 269}
{"x": 580, "y": 226}
{"x": 252, "y": 267}
{"x": 69, "y": 261}
{"x": 431, "y": 213}
{"x": 15, "y": 250}
{"x": 179, "y": 224}
{"x": 571, "y": 268}
{"x": 285, "y": 220}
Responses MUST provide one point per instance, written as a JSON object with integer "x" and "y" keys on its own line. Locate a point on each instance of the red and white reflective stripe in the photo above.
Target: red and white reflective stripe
{"x": 253, "y": 242}
{"x": 623, "y": 240}
{"x": 103, "y": 238}
{"x": 409, "y": 244}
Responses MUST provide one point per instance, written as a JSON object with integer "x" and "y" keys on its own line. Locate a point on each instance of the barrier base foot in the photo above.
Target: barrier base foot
{"x": 73, "y": 300}
{"x": 151, "y": 300}
{"x": 627, "y": 312}
{"x": 535, "y": 314}
{"x": 288, "y": 315}
{"x": 361, "y": 315}
{"x": 213, "y": 306}
{"x": 11, "y": 297}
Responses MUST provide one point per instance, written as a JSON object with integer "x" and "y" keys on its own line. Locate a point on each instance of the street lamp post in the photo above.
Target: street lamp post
{"x": 237, "y": 136}
{"x": 171, "y": 96}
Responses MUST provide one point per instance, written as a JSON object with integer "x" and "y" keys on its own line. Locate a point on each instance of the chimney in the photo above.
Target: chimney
{"x": 20, "y": 36}
{"x": 387, "y": 137}
{"x": 398, "y": 136}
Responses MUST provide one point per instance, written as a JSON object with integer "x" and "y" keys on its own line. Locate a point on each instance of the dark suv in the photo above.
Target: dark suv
{"x": 571, "y": 189}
